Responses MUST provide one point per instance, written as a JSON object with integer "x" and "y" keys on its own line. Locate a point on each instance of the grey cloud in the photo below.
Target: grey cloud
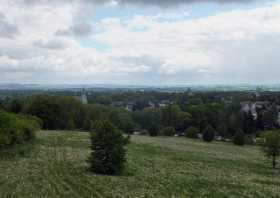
{"x": 78, "y": 29}
{"x": 7, "y": 29}
{"x": 171, "y": 2}
{"x": 143, "y": 2}
{"x": 54, "y": 44}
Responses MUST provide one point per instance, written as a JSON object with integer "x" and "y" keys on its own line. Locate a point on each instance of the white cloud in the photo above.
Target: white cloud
{"x": 141, "y": 49}
{"x": 210, "y": 45}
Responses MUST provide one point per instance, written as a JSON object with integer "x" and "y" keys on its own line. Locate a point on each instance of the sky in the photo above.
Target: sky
{"x": 140, "y": 42}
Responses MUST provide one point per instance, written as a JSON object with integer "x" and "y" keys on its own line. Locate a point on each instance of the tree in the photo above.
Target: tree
{"x": 234, "y": 123}
{"x": 198, "y": 115}
{"x": 149, "y": 119}
{"x": 239, "y": 138}
{"x": 168, "y": 131}
{"x": 184, "y": 121}
{"x": 88, "y": 124}
{"x": 17, "y": 129}
{"x": 223, "y": 130}
{"x": 271, "y": 145}
{"x": 70, "y": 124}
{"x": 103, "y": 100}
{"x": 259, "y": 121}
{"x": 191, "y": 132}
{"x": 170, "y": 115}
{"x": 269, "y": 119}
{"x": 153, "y": 129}
{"x": 107, "y": 149}
{"x": 15, "y": 106}
{"x": 209, "y": 134}
{"x": 123, "y": 120}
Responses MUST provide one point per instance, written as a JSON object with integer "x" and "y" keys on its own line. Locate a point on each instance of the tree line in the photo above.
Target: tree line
{"x": 197, "y": 116}
{"x": 189, "y": 115}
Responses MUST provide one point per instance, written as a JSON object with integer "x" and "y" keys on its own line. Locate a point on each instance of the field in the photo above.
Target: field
{"x": 55, "y": 166}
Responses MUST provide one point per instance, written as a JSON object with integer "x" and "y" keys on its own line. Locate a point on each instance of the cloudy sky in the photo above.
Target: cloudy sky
{"x": 144, "y": 42}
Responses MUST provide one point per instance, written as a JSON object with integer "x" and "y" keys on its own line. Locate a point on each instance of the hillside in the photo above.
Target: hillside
{"x": 55, "y": 166}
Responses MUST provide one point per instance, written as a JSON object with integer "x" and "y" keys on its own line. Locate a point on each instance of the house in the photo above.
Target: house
{"x": 117, "y": 104}
{"x": 84, "y": 98}
{"x": 249, "y": 106}
{"x": 164, "y": 103}
{"x": 151, "y": 104}
{"x": 129, "y": 106}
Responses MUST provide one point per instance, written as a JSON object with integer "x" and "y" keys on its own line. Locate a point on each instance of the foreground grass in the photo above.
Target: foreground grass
{"x": 55, "y": 166}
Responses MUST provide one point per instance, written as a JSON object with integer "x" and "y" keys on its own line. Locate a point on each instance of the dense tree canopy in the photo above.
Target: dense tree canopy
{"x": 108, "y": 152}
{"x": 151, "y": 111}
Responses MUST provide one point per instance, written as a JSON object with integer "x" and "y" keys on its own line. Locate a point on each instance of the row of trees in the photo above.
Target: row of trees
{"x": 62, "y": 112}
{"x": 189, "y": 115}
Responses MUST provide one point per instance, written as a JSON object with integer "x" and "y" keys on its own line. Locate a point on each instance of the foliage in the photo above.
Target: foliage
{"x": 88, "y": 124}
{"x": 122, "y": 119}
{"x": 168, "y": 131}
{"x": 153, "y": 129}
{"x": 271, "y": 145}
{"x": 16, "y": 129}
{"x": 15, "y": 105}
{"x": 152, "y": 110}
{"x": 149, "y": 119}
{"x": 239, "y": 138}
{"x": 104, "y": 100}
{"x": 192, "y": 132}
{"x": 107, "y": 149}
{"x": 223, "y": 130}
{"x": 208, "y": 134}
{"x": 170, "y": 115}
{"x": 56, "y": 112}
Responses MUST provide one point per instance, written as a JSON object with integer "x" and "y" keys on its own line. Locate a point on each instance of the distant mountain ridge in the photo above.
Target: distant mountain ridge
{"x": 241, "y": 87}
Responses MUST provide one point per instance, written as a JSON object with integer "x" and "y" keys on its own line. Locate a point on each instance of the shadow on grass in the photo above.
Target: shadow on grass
{"x": 17, "y": 151}
{"x": 127, "y": 172}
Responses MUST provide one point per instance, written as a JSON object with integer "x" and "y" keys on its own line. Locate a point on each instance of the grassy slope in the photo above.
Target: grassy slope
{"x": 54, "y": 166}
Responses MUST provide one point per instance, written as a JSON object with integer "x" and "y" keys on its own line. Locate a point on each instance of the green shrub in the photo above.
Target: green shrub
{"x": 209, "y": 134}
{"x": 107, "y": 149}
{"x": 168, "y": 131}
{"x": 16, "y": 129}
{"x": 88, "y": 124}
{"x": 271, "y": 145}
{"x": 153, "y": 130}
{"x": 192, "y": 132}
{"x": 250, "y": 140}
{"x": 239, "y": 138}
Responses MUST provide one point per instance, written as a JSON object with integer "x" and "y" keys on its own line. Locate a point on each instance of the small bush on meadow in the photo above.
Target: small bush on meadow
{"x": 168, "y": 131}
{"x": 271, "y": 145}
{"x": 107, "y": 149}
{"x": 209, "y": 134}
{"x": 153, "y": 130}
{"x": 239, "y": 138}
{"x": 191, "y": 132}
{"x": 16, "y": 129}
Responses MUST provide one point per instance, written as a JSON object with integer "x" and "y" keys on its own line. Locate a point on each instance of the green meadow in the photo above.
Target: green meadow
{"x": 55, "y": 165}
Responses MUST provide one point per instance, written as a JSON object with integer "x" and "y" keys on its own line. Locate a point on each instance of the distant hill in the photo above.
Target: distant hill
{"x": 176, "y": 88}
